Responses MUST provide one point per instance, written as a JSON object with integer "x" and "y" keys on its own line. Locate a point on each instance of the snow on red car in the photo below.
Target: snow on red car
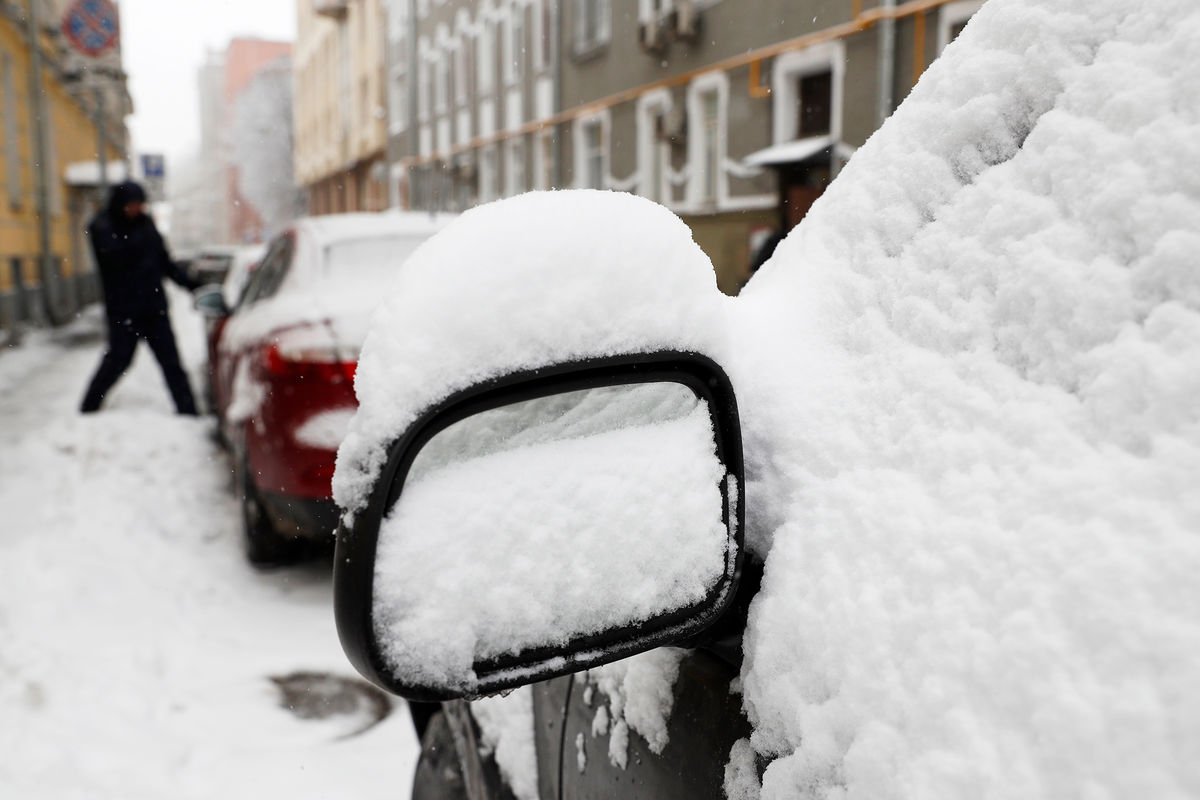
{"x": 283, "y": 364}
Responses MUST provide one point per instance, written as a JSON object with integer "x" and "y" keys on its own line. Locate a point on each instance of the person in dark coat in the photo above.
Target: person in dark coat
{"x": 133, "y": 260}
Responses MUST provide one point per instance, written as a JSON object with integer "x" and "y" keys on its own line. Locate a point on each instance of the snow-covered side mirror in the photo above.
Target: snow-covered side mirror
{"x": 543, "y": 523}
{"x": 210, "y": 301}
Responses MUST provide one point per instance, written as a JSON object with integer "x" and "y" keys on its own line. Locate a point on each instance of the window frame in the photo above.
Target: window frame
{"x": 952, "y": 14}
{"x": 787, "y": 71}
{"x": 585, "y": 154}
{"x": 587, "y": 40}
{"x": 710, "y": 83}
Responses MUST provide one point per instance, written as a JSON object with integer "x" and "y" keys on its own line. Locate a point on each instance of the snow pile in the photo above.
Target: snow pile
{"x": 137, "y": 645}
{"x": 602, "y": 512}
{"x": 466, "y": 307}
{"x": 968, "y": 385}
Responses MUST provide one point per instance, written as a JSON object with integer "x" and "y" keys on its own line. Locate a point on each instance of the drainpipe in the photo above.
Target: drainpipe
{"x": 102, "y": 145}
{"x": 37, "y": 101}
{"x": 887, "y": 63}
{"x": 556, "y": 24}
{"x": 411, "y": 86}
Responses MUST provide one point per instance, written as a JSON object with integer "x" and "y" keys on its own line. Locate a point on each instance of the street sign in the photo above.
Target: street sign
{"x": 153, "y": 166}
{"x": 91, "y": 26}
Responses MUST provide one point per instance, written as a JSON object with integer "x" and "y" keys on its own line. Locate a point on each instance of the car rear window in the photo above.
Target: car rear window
{"x": 374, "y": 259}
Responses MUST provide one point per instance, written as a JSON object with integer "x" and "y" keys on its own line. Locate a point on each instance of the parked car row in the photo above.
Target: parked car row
{"x": 284, "y": 332}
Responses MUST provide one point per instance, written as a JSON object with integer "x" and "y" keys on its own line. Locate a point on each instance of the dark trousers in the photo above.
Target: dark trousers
{"x": 123, "y": 335}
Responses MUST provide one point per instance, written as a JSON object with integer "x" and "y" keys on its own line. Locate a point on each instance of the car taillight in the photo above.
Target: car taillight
{"x": 322, "y": 365}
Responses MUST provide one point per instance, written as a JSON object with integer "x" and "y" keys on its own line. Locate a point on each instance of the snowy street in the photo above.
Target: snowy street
{"x": 137, "y": 647}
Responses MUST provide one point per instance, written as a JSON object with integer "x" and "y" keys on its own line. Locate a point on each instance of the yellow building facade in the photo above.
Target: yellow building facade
{"x": 33, "y": 288}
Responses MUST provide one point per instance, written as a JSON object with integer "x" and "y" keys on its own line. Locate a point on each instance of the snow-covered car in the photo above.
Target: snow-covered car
{"x": 245, "y": 261}
{"x": 282, "y": 365}
{"x": 212, "y": 264}
{"x": 915, "y": 515}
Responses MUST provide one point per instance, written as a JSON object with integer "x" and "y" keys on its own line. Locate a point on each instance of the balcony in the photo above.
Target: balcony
{"x": 334, "y": 9}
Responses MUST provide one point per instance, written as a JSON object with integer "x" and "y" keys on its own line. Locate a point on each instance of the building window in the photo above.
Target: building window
{"x": 952, "y": 18}
{"x": 593, "y": 25}
{"x": 654, "y": 10}
{"x": 464, "y": 70}
{"x": 653, "y": 148}
{"x": 514, "y": 44}
{"x": 441, "y": 88}
{"x": 12, "y": 151}
{"x": 543, "y": 43}
{"x": 397, "y": 102}
{"x": 515, "y": 169}
{"x": 486, "y": 66}
{"x": 710, "y": 105}
{"x": 807, "y": 93}
{"x": 543, "y": 170}
{"x": 707, "y": 125}
{"x": 487, "y": 175}
{"x": 593, "y": 154}
{"x": 814, "y": 104}
{"x": 424, "y": 90}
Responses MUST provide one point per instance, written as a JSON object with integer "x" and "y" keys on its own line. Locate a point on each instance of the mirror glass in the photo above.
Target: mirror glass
{"x": 534, "y": 524}
{"x": 210, "y": 301}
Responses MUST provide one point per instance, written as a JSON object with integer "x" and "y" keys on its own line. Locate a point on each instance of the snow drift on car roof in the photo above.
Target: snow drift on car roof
{"x": 974, "y": 472}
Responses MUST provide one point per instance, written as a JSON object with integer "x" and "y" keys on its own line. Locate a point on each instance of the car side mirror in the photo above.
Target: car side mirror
{"x": 210, "y": 302}
{"x": 546, "y": 522}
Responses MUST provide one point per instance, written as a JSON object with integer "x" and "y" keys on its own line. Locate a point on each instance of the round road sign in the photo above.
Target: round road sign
{"x": 91, "y": 26}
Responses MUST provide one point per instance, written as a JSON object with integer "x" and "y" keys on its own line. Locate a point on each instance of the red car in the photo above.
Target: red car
{"x": 282, "y": 364}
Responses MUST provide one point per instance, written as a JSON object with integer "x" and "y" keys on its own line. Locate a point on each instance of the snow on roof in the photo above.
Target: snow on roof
{"x": 968, "y": 385}
{"x": 87, "y": 173}
{"x": 788, "y": 152}
{"x": 337, "y": 227}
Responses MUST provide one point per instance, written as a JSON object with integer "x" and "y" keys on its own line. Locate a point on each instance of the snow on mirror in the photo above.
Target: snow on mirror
{"x": 548, "y": 521}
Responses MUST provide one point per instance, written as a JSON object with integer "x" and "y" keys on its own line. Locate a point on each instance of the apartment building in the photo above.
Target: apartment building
{"x": 49, "y": 143}
{"x": 733, "y": 113}
{"x": 340, "y": 112}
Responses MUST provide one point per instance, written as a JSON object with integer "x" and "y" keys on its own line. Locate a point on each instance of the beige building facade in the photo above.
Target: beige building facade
{"x": 340, "y": 117}
{"x": 49, "y": 145}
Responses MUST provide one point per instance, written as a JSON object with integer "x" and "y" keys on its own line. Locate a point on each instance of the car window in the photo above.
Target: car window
{"x": 267, "y": 279}
{"x": 372, "y": 259}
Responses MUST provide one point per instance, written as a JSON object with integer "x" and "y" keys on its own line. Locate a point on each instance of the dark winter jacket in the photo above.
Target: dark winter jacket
{"x": 132, "y": 257}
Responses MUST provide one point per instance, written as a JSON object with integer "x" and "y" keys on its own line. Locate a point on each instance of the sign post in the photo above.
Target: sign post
{"x": 93, "y": 27}
{"x": 154, "y": 173}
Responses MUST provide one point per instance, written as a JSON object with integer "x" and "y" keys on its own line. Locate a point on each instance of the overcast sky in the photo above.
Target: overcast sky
{"x": 163, "y": 45}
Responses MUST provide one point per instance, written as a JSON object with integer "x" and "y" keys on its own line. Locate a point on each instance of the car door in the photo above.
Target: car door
{"x": 262, "y": 284}
{"x": 705, "y": 720}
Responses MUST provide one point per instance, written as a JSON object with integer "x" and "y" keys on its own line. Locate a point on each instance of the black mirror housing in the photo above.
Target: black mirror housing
{"x": 210, "y": 301}
{"x": 357, "y": 543}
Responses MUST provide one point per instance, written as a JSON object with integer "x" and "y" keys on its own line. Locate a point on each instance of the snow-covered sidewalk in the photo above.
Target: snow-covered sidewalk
{"x": 136, "y": 646}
